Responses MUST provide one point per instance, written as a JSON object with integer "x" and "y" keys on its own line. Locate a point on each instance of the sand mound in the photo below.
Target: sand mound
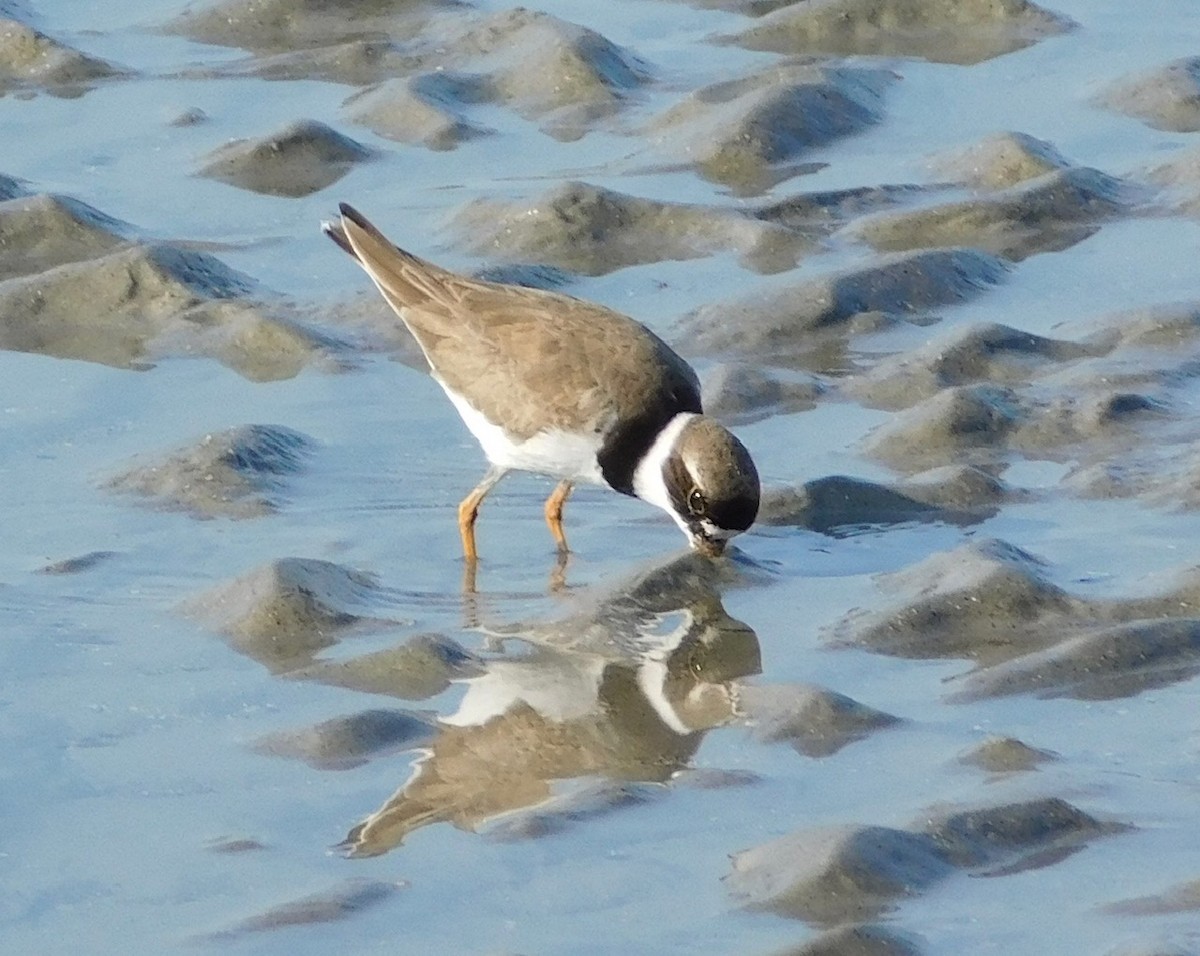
{"x": 1001, "y": 161}
{"x": 425, "y": 110}
{"x": 815, "y": 721}
{"x": 956, "y": 494}
{"x": 284, "y": 612}
{"x": 742, "y": 393}
{"x": 300, "y": 159}
{"x": 44, "y": 231}
{"x": 144, "y": 301}
{"x": 593, "y": 231}
{"x": 944, "y": 31}
{"x": 994, "y": 604}
{"x": 978, "y": 423}
{"x": 30, "y": 60}
{"x": 1006, "y": 755}
{"x": 1046, "y": 214}
{"x": 238, "y": 473}
{"x": 343, "y": 743}
{"x": 1167, "y": 97}
{"x": 966, "y": 355}
{"x": 418, "y": 669}
{"x": 778, "y": 326}
{"x": 740, "y": 131}
{"x": 979, "y": 601}
{"x": 833, "y": 875}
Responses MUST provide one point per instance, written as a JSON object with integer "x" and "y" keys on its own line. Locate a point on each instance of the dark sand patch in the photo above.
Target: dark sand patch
{"x": 820, "y": 213}
{"x": 77, "y": 564}
{"x": 30, "y": 60}
{"x": 10, "y": 188}
{"x": 1166, "y": 97}
{"x": 420, "y": 668}
{"x": 192, "y": 116}
{"x": 343, "y": 743}
{"x": 1015, "y": 837}
{"x": 286, "y": 611}
{"x": 593, "y": 231}
{"x": 531, "y": 275}
{"x": 833, "y": 875}
{"x": 341, "y": 902}
{"x": 354, "y": 63}
{"x": 750, "y": 8}
{"x": 425, "y": 110}
{"x": 778, "y": 327}
{"x": 739, "y": 132}
{"x": 815, "y": 721}
{"x": 43, "y": 231}
{"x": 1047, "y": 214}
{"x": 237, "y": 473}
{"x": 864, "y": 939}
{"x": 234, "y": 845}
{"x": 298, "y": 160}
{"x": 1001, "y": 161}
{"x": 944, "y": 31}
{"x": 1006, "y": 755}
{"x": 149, "y": 300}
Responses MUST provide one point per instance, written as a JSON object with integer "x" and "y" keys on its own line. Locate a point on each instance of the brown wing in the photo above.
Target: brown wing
{"x": 527, "y": 359}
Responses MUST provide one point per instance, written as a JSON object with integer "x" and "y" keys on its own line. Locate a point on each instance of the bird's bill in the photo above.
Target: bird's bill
{"x": 707, "y": 545}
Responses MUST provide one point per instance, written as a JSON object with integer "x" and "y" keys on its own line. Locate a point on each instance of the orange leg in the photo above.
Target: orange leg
{"x": 468, "y": 511}
{"x": 554, "y": 509}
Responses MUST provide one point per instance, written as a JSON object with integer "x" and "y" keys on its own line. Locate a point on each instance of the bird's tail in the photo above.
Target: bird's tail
{"x": 404, "y": 279}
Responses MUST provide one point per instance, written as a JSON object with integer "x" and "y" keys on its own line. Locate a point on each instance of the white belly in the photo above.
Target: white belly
{"x": 551, "y": 452}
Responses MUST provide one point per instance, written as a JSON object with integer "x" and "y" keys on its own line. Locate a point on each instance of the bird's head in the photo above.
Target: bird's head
{"x": 701, "y": 475}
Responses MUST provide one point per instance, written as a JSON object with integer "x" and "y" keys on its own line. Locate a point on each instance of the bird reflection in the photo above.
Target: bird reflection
{"x": 622, "y": 691}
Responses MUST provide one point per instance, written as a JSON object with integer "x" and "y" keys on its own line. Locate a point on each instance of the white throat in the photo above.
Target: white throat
{"x": 648, "y": 482}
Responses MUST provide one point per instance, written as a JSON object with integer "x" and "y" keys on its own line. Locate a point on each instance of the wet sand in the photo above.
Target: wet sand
{"x": 934, "y": 262}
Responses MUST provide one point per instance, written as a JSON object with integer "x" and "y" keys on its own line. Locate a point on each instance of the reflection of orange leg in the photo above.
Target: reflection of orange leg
{"x": 468, "y": 511}
{"x": 558, "y": 576}
{"x": 554, "y": 506}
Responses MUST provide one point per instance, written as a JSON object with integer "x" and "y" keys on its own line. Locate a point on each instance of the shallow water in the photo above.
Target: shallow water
{"x": 605, "y": 821}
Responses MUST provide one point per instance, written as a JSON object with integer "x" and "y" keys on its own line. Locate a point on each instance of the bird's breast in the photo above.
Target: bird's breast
{"x": 551, "y": 451}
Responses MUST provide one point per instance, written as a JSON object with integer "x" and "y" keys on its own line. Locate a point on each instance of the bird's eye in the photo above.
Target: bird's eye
{"x": 696, "y": 503}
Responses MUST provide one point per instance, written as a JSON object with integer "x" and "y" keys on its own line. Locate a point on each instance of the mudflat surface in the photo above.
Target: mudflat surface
{"x": 935, "y": 262}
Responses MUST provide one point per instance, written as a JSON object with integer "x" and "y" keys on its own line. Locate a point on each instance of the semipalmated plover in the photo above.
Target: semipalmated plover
{"x": 565, "y": 388}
